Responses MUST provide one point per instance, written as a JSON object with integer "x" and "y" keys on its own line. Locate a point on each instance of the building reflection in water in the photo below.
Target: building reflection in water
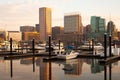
{"x": 96, "y": 67}
{"x": 45, "y": 70}
{"x": 11, "y": 68}
{"x": 108, "y": 74}
{"x": 73, "y": 68}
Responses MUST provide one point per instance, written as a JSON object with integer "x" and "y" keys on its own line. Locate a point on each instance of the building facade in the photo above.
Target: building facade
{"x": 3, "y": 35}
{"x": 37, "y": 28}
{"x": 97, "y": 24}
{"x": 97, "y": 28}
{"x": 87, "y": 30}
{"x": 27, "y": 28}
{"x": 45, "y": 22}
{"x": 31, "y": 35}
{"x": 15, "y": 35}
{"x": 57, "y": 30}
{"x": 73, "y": 24}
{"x": 110, "y": 27}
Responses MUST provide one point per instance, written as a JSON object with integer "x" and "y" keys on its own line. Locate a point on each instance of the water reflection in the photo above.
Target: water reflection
{"x": 69, "y": 69}
{"x": 45, "y": 70}
{"x": 33, "y": 60}
{"x": 95, "y": 67}
{"x": 108, "y": 74}
{"x": 74, "y": 69}
{"x": 11, "y": 68}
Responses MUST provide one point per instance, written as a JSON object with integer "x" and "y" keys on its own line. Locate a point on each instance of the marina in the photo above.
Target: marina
{"x": 52, "y": 65}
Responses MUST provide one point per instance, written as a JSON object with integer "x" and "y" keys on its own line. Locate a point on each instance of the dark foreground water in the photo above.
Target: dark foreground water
{"x": 75, "y": 69}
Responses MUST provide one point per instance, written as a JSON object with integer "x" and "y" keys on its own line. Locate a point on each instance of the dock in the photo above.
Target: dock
{"x": 18, "y": 56}
{"x": 109, "y": 60}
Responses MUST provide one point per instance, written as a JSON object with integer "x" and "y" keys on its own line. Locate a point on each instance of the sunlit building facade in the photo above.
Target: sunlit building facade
{"x": 15, "y": 35}
{"x": 31, "y": 35}
{"x": 45, "y": 22}
{"x": 73, "y": 23}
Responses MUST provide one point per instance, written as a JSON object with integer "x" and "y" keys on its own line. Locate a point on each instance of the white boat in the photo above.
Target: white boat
{"x": 56, "y": 46}
{"x": 6, "y": 46}
{"x": 87, "y": 46}
{"x": 68, "y": 54}
{"x": 114, "y": 51}
{"x": 40, "y": 46}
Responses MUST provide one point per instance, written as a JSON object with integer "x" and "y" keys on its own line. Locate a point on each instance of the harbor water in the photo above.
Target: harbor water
{"x": 35, "y": 68}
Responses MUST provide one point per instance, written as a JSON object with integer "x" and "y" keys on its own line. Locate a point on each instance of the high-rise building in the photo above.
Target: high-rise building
{"x": 97, "y": 28}
{"x": 112, "y": 30}
{"x": 73, "y": 24}
{"x": 97, "y": 24}
{"x": 110, "y": 27}
{"x": 45, "y": 23}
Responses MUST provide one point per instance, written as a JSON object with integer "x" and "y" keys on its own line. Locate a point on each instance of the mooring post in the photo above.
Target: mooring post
{"x": 59, "y": 45}
{"x": 10, "y": 46}
{"x": 18, "y": 47}
{"x": 49, "y": 46}
{"x": 89, "y": 45}
{"x": 110, "y": 54}
{"x": 93, "y": 46}
{"x": 33, "y": 46}
{"x": 105, "y": 46}
{"x": 114, "y": 44}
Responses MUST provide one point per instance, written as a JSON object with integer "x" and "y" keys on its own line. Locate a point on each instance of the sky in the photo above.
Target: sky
{"x": 16, "y": 13}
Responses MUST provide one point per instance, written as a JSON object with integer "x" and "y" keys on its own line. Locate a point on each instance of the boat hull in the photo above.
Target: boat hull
{"x": 71, "y": 56}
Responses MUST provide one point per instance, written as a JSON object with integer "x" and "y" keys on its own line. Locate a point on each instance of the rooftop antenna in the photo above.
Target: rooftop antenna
{"x": 110, "y": 16}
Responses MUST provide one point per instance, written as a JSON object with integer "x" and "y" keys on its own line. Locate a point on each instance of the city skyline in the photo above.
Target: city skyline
{"x": 15, "y": 13}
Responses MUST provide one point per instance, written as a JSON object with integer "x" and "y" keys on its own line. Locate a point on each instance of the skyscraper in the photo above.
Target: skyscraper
{"x": 97, "y": 28}
{"x": 45, "y": 23}
{"x": 110, "y": 27}
{"x": 73, "y": 24}
{"x": 97, "y": 24}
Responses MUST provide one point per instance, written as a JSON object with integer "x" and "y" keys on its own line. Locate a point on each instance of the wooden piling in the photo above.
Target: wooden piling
{"x": 110, "y": 54}
{"x": 89, "y": 45}
{"x": 10, "y": 46}
{"x": 93, "y": 46}
{"x": 105, "y": 46}
{"x": 33, "y": 46}
{"x": 59, "y": 44}
{"x": 49, "y": 46}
